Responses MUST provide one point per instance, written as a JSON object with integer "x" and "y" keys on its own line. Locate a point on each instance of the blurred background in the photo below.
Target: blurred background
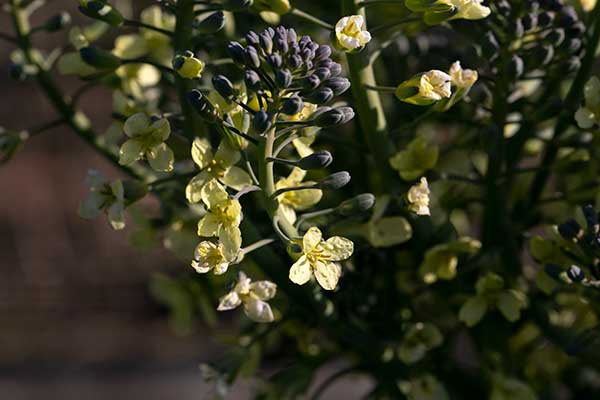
{"x": 77, "y": 317}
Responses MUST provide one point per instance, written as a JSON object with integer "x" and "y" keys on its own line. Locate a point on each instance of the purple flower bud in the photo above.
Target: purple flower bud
{"x": 292, "y": 105}
{"x": 237, "y": 53}
{"x": 338, "y": 84}
{"x": 283, "y": 78}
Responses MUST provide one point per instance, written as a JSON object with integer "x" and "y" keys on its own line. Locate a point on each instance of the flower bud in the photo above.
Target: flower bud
{"x": 283, "y": 78}
{"x": 567, "y": 17}
{"x": 251, "y": 57}
{"x": 335, "y": 68}
{"x": 529, "y": 21}
{"x": 576, "y": 30}
{"x": 338, "y": 85}
{"x": 321, "y": 96}
{"x": 223, "y": 86}
{"x": 252, "y": 39}
{"x": 545, "y": 19}
{"x": 335, "y": 181}
{"x": 275, "y": 60}
{"x": 517, "y": 28}
{"x": 292, "y": 105}
{"x": 556, "y": 37}
{"x": 211, "y": 24}
{"x": 316, "y": 160}
{"x": 361, "y": 203}
{"x": 237, "y": 53}
{"x": 575, "y": 274}
{"x": 99, "y": 58}
{"x": 236, "y": 5}
{"x": 262, "y": 122}
{"x": 322, "y": 53}
{"x": 322, "y": 73}
{"x": 335, "y": 116}
{"x": 201, "y": 105}
{"x": 294, "y": 61}
{"x": 266, "y": 42}
{"x": 572, "y": 46}
{"x": 102, "y": 11}
{"x": 252, "y": 80}
{"x": 57, "y": 22}
{"x": 312, "y": 82}
{"x": 570, "y": 230}
{"x": 187, "y": 65}
{"x": 516, "y": 67}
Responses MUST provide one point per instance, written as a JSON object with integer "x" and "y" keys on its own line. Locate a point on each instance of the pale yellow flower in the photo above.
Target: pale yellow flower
{"x": 588, "y": 5}
{"x": 211, "y": 256}
{"x": 351, "y": 33}
{"x": 253, "y": 295}
{"x": 222, "y": 219}
{"x": 299, "y": 200}
{"x": 321, "y": 258}
{"x": 418, "y": 197}
{"x": 462, "y": 78}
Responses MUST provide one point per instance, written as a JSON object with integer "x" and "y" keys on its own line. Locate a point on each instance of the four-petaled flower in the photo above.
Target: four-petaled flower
{"x": 426, "y": 88}
{"x": 418, "y": 198}
{"x": 147, "y": 138}
{"x": 321, "y": 258}
{"x": 469, "y": 9}
{"x": 218, "y": 166}
{"x": 462, "y": 78}
{"x": 222, "y": 219}
{"x": 351, "y": 33}
{"x": 104, "y": 196}
{"x": 253, "y": 295}
{"x": 299, "y": 200}
{"x": 211, "y": 256}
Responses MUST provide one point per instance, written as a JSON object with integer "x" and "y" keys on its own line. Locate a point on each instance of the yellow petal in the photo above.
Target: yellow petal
{"x": 236, "y": 178}
{"x": 208, "y": 226}
{"x": 264, "y": 290}
{"x": 258, "y": 310}
{"x": 327, "y": 274}
{"x": 301, "y": 271}
{"x": 338, "y": 248}
{"x": 130, "y": 152}
{"x": 311, "y": 239}
{"x": 193, "y": 191}
{"x": 201, "y": 152}
{"x": 213, "y": 194}
{"x": 231, "y": 239}
{"x": 136, "y": 124}
{"x": 229, "y": 302}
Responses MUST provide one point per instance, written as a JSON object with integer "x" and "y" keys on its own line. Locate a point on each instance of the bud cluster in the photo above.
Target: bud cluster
{"x": 541, "y": 34}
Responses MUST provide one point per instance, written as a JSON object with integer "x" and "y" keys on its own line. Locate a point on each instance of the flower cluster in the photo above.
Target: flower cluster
{"x": 438, "y": 11}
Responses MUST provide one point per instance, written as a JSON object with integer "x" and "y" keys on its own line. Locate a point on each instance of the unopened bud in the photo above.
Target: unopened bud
{"x": 338, "y": 85}
{"x": 575, "y": 274}
{"x": 262, "y": 122}
{"x": 321, "y": 96}
{"x": 223, "y": 86}
{"x": 335, "y": 116}
{"x": 102, "y": 11}
{"x": 237, "y": 53}
{"x": 252, "y": 80}
{"x": 58, "y": 22}
{"x": 335, "y": 181}
{"x": 251, "y": 57}
{"x": 201, "y": 105}
{"x": 292, "y": 105}
{"x": 361, "y": 203}
{"x": 590, "y": 217}
{"x": 570, "y": 230}
{"x": 516, "y": 67}
{"x": 284, "y": 78}
{"x": 317, "y": 160}
{"x": 99, "y": 58}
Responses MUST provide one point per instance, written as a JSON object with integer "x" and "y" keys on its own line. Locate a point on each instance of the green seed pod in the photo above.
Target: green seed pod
{"x": 99, "y": 58}
{"x": 102, "y": 11}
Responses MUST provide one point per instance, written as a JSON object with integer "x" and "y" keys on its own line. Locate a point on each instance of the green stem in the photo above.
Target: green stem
{"x": 255, "y": 246}
{"x": 310, "y": 18}
{"x": 181, "y": 41}
{"x": 370, "y": 113}
{"x": 367, "y": 3}
{"x": 394, "y": 24}
{"x": 571, "y": 103}
{"x": 267, "y": 183}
